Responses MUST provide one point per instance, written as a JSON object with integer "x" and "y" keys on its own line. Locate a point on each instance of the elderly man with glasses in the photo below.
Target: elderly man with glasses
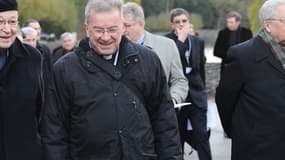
{"x": 250, "y": 96}
{"x": 113, "y": 101}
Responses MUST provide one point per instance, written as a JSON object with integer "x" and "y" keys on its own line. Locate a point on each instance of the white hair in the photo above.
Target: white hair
{"x": 28, "y": 31}
{"x": 67, "y": 35}
{"x": 268, "y": 10}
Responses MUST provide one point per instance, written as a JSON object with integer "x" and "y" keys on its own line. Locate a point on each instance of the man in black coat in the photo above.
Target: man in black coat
{"x": 68, "y": 41}
{"x": 250, "y": 96}
{"x": 114, "y": 102}
{"x": 231, "y": 35}
{"x": 191, "y": 50}
{"x": 44, "y": 49}
{"x": 20, "y": 92}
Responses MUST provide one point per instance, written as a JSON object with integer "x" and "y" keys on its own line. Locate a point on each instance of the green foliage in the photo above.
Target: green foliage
{"x": 204, "y": 8}
{"x": 56, "y": 15}
{"x": 196, "y": 20}
{"x": 136, "y": 1}
{"x": 224, "y": 6}
{"x": 153, "y": 7}
{"x": 253, "y": 14}
{"x": 161, "y": 22}
{"x": 158, "y": 23}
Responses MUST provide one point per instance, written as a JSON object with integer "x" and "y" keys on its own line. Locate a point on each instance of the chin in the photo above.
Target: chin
{"x": 5, "y": 45}
{"x": 107, "y": 51}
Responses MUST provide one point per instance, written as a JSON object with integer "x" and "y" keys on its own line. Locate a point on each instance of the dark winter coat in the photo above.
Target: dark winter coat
{"x": 196, "y": 79}
{"x": 250, "y": 100}
{"x": 111, "y": 113}
{"x": 20, "y": 104}
{"x": 222, "y": 43}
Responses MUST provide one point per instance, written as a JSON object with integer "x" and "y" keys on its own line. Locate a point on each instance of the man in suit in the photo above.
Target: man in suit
{"x": 250, "y": 96}
{"x": 231, "y": 35}
{"x": 164, "y": 48}
{"x": 191, "y": 51}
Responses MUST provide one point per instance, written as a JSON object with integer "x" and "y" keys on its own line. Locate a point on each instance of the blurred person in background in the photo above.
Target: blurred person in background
{"x": 231, "y": 35}
{"x": 165, "y": 49}
{"x": 29, "y": 36}
{"x": 68, "y": 41}
{"x": 44, "y": 49}
{"x": 191, "y": 50}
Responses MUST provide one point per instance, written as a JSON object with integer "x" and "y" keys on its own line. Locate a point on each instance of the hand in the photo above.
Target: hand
{"x": 183, "y": 33}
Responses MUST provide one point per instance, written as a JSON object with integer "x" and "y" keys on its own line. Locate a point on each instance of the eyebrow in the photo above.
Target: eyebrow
{"x": 107, "y": 27}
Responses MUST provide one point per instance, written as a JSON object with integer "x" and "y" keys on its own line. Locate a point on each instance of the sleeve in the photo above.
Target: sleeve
{"x": 219, "y": 48}
{"x": 202, "y": 62}
{"x": 163, "y": 118}
{"x": 54, "y": 123}
{"x": 228, "y": 90}
{"x": 179, "y": 83}
{"x": 249, "y": 35}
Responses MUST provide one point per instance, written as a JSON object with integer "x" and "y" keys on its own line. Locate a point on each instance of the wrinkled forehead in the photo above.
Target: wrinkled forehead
{"x": 9, "y": 14}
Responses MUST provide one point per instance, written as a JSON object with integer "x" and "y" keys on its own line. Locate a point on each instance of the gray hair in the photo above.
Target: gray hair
{"x": 28, "y": 31}
{"x": 135, "y": 10}
{"x": 234, "y": 14}
{"x": 100, "y": 6}
{"x": 67, "y": 35}
{"x": 268, "y": 10}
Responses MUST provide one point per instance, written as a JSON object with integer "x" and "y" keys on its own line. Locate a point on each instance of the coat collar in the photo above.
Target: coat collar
{"x": 265, "y": 53}
{"x": 264, "y": 48}
{"x": 18, "y": 50}
{"x": 128, "y": 54}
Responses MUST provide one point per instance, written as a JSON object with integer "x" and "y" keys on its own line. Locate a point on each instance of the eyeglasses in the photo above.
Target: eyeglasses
{"x": 179, "y": 21}
{"x": 282, "y": 20}
{"x": 11, "y": 23}
{"x": 101, "y": 31}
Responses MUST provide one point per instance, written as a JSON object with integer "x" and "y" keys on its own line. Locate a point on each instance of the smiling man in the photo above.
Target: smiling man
{"x": 20, "y": 101}
{"x": 113, "y": 101}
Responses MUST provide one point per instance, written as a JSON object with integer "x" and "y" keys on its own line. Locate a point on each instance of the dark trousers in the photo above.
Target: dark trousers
{"x": 200, "y": 138}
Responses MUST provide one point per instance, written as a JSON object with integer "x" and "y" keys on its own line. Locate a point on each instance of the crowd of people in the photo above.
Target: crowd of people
{"x": 114, "y": 96}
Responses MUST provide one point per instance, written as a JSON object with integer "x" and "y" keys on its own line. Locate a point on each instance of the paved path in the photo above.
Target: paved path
{"x": 220, "y": 146}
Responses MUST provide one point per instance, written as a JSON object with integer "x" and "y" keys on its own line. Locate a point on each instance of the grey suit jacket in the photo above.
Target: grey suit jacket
{"x": 168, "y": 53}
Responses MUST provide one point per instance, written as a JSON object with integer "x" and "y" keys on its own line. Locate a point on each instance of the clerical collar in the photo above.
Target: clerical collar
{"x": 109, "y": 57}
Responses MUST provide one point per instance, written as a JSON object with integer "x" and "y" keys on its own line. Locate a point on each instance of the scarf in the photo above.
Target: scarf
{"x": 278, "y": 50}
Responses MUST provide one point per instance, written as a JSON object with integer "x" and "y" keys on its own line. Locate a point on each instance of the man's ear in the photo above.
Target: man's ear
{"x": 172, "y": 25}
{"x": 86, "y": 30}
{"x": 266, "y": 26}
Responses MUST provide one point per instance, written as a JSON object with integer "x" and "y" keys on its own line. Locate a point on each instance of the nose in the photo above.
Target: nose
{"x": 105, "y": 36}
{"x": 5, "y": 28}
